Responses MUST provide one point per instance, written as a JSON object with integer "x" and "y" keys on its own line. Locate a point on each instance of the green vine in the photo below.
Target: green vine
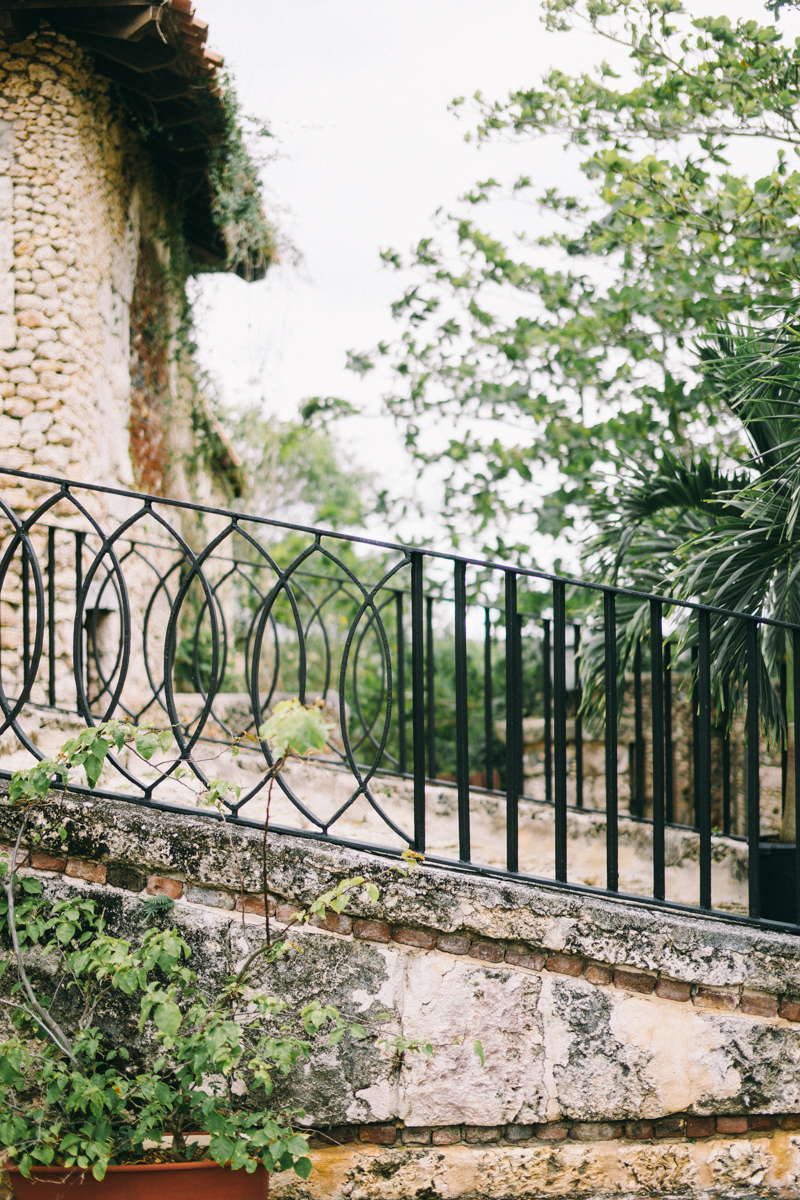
{"x": 238, "y": 192}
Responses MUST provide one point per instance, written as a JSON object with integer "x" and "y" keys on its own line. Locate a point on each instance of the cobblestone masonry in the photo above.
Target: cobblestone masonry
{"x": 78, "y": 202}
{"x": 91, "y": 253}
{"x": 70, "y": 216}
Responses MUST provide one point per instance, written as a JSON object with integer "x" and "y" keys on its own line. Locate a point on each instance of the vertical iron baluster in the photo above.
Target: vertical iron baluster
{"x": 560, "y": 727}
{"x": 610, "y": 623}
{"x": 726, "y": 759}
{"x": 488, "y": 712}
{"x": 430, "y": 668}
{"x": 657, "y": 712}
{"x": 418, "y": 701}
{"x": 638, "y": 733}
{"x": 26, "y": 619}
{"x": 462, "y": 710}
{"x": 77, "y": 666}
{"x": 753, "y": 791}
{"x": 548, "y": 715}
{"x": 576, "y": 655}
{"x": 796, "y": 684}
{"x": 51, "y": 616}
{"x": 704, "y": 754}
{"x": 518, "y": 675}
{"x": 695, "y": 738}
{"x": 669, "y": 778}
{"x": 513, "y": 720}
{"x": 400, "y": 698}
{"x": 784, "y": 747}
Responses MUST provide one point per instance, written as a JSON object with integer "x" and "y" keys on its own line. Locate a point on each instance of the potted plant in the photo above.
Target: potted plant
{"x": 77, "y": 1107}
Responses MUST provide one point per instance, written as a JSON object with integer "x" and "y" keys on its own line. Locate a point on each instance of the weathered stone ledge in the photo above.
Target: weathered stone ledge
{"x": 710, "y": 963}
{"x": 526, "y": 958}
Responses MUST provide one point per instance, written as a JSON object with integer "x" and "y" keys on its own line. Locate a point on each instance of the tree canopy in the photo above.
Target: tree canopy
{"x": 547, "y": 363}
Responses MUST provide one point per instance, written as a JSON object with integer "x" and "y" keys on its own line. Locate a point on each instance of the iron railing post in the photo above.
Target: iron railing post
{"x": 657, "y": 715}
{"x": 669, "y": 778}
{"x": 560, "y": 727}
{"x": 462, "y": 709}
{"x": 430, "y": 676}
{"x": 638, "y": 733}
{"x": 576, "y": 648}
{"x": 513, "y": 721}
{"x": 548, "y": 713}
{"x": 51, "y": 616}
{"x": 402, "y": 750}
{"x": 726, "y": 759}
{"x": 418, "y": 701}
{"x": 704, "y": 753}
{"x": 753, "y": 789}
{"x": 488, "y": 708}
{"x": 796, "y": 689}
{"x": 610, "y": 635}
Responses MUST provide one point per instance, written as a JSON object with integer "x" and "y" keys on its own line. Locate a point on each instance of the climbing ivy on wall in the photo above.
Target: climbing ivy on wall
{"x": 238, "y": 193}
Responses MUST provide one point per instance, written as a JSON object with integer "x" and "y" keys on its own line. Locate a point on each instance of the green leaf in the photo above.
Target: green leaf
{"x": 146, "y": 743}
{"x": 32, "y": 887}
{"x": 165, "y": 740}
{"x": 297, "y": 1144}
{"x": 358, "y": 1032}
{"x": 221, "y": 1148}
{"x": 294, "y": 728}
{"x": 168, "y": 1017}
{"x": 478, "y": 1048}
{"x": 303, "y": 1167}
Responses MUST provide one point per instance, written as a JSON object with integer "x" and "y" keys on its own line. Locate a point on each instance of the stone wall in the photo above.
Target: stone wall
{"x": 97, "y": 380}
{"x": 84, "y": 225}
{"x": 630, "y": 1050}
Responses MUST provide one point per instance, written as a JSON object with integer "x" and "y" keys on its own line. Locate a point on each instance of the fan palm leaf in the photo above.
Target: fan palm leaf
{"x": 727, "y": 539}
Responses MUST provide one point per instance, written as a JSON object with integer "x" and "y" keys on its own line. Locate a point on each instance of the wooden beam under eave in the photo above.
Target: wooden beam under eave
{"x": 125, "y": 24}
{"x": 62, "y": 5}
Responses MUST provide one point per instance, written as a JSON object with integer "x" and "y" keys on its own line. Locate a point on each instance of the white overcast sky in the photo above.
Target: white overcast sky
{"x": 357, "y": 92}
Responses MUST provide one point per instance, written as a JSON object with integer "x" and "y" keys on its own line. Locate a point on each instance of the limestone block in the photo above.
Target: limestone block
{"x": 59, "y": 434}
{"x": 10, "y": 432}
{"x": 8, "y": 332}
{"x": 56, "y": 458}
{"x": 453, "y": 998}
{"x": 6, "y": 144}
{"x": 22, "y": 375}
{"x": 16, "y": 358}
{"x": 38, "y": 422}
{"x": 30, "y": 319}
{"x": 43, "y": 334}
{"x": 6, "y": 225}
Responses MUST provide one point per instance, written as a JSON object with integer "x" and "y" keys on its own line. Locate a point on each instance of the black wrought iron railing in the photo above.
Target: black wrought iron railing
{"x": 494, "y": 717}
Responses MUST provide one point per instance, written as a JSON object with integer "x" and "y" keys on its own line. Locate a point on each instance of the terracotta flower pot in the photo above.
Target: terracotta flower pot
{"x": 150, "y": 1181}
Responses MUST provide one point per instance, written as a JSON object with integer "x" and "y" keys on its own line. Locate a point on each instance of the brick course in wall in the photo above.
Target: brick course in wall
{"x": 681, "y": 1127}
{"x": 760, "y": 1005}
